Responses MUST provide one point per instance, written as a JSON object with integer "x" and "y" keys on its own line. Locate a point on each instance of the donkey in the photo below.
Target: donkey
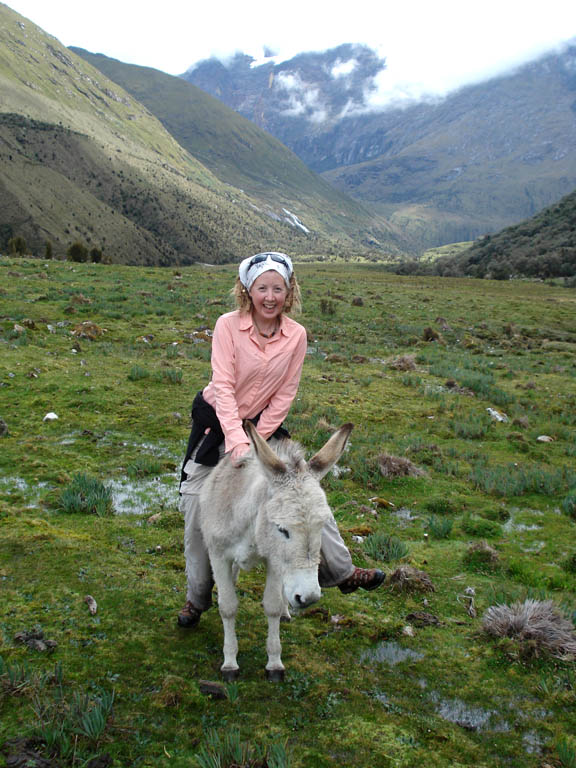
{"x": 270, "y": 509}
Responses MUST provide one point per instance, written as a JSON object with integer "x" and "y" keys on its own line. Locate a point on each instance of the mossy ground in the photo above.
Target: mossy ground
{"x": 123, "y": 400}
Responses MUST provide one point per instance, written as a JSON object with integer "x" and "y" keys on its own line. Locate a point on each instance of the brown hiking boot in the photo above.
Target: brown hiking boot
{"x": 364, "y": 578}
{"x": 189, "y": 616}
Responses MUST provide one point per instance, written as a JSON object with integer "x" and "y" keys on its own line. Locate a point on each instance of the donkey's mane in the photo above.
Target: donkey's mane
{"x": 291, "y": 453}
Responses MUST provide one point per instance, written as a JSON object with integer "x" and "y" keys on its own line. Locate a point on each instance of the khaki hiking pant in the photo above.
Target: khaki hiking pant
{"x": 335, "y": 560}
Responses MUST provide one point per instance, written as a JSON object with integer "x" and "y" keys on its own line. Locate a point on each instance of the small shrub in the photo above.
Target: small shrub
{"x": 86, "y": 495}
{"x": 144, "y": 466}
{"x": 481, "y": 557}
{"x": 138, "y": 372}
{"x": 568, "y": 503}
{"x": 441, "y": 507}
{"x": 397, "y": 466}
{"x": 48, "y": 250}
{"x": 474, "y": 427}
{"x": 566, "y": 754}
{"x": 77, "y": 252}
{"x": 403, "y": 363}
{"x": 95, "y": 255}
{"x": 409, "y": 579}
{"x": 225, "y": 750}
{"x": 327, "y": 307}
{"x": 17, "y": 246}
{"x": 479, "y": 526}
{"x": 500, "y": 514}
{"x": 172, "y": 375}
{"x": 382, "y": 546}
{"x": 440, "y": 527}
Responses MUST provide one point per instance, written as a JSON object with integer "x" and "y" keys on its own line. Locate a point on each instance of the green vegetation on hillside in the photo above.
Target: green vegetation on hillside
{"x": 459, "y": 482}
{"x": 542, "y": 247}
{"x": 82, "y": 160}
{"x": 241, "y": 154}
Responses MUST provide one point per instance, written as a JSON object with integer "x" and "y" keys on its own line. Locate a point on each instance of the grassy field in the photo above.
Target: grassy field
{"x": 404, "y": 676}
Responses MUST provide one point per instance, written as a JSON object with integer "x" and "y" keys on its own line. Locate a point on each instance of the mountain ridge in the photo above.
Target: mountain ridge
{"x": 82, "y": 159}
{"x": 484, "y": 157}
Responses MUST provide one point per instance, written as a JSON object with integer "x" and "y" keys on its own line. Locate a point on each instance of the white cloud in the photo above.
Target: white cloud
{"x": 343, "y": 68}
{"x": 430, "y": 47}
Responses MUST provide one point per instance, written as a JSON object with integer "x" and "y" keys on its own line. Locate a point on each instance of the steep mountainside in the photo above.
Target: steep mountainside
{"x": 484, "y": 157}
{"x": 81, "y": 159}
{"x": 543, "y": 246}
{"x": 243, "y": 155}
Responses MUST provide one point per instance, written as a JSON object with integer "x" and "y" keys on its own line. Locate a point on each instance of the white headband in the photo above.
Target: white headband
{"x": 251, "y": 268}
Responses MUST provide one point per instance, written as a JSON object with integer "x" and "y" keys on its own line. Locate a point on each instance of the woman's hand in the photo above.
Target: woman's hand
{"x": 238, "y": 454}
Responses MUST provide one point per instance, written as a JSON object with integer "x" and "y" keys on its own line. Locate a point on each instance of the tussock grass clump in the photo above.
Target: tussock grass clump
{"x": 515, "y": 480}
{"x": 568, "y": 503}
{"x": 145, "y": 466}
{"x": 86, "y": 495}
{"x": 398, "y": 466}
{"x": 409, "y": 579}
{"x": 384, "y": 547}
{"x": 441, "y": 507}
{"x": 403, "y": 363}
{"x": 439, "y": 527}
{"x": 481, "y": 557}
{"x": 224, "y": 749}
{"x": 537, "y": 625}
{"x": 479, "y": 526}
{"x": 474, "y": 427}
{"x": 138, "y": 372}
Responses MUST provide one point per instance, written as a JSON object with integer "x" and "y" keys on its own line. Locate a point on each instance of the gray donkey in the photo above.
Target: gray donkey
{"x": 269, "y": 509}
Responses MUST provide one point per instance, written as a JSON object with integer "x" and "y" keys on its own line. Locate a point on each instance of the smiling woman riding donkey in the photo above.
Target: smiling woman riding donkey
{"x": 257, "y": 358}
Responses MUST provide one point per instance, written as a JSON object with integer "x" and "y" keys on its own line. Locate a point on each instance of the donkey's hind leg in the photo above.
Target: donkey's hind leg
{"x": 274, "y": 608}
{"x": 224, "y": 576}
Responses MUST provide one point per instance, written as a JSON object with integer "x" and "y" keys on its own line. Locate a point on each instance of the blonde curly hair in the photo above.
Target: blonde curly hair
{"x": 292, "y": 304}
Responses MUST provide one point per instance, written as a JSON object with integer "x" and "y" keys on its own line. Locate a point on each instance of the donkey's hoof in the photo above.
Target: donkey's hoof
{"x": 275, "y": 675}
{"x": 230, "y": 675}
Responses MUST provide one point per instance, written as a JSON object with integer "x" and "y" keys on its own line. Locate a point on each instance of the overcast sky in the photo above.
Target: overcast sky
{"x": 431, "y": 46}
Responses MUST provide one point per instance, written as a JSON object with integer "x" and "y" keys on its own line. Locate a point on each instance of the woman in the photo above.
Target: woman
{"x": 257, "y": 357}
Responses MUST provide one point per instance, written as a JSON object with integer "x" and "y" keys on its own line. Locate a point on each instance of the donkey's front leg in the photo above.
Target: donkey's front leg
{"x": 224, "y": 576}
{"x": 273, "y": 608}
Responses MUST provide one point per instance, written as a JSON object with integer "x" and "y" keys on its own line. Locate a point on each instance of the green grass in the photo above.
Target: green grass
{"x": 129, "y": 435}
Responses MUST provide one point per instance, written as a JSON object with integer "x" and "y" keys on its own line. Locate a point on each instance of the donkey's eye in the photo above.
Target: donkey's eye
{"x": 283, "y": 531}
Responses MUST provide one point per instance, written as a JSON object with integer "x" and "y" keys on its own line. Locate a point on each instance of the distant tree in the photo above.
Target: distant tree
{"x": 17, "y": 246}
{"x": 77, "y": 252}
{"x": 48, "y": 252}
{"x": 96, "y": 255}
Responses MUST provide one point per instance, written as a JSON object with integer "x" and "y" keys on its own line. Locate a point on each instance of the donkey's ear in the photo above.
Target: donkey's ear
{"x": 263, "y": 451}
{"x": 327, "y": 456}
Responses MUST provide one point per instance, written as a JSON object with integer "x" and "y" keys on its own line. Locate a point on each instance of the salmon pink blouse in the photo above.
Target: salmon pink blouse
{"x": 248, "y": 380}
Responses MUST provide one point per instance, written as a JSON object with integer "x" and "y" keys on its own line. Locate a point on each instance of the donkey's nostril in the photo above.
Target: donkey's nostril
{"x": 299, "y": 600}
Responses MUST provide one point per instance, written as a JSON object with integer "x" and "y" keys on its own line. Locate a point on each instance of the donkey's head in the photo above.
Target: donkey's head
{"x": 289, "y": 529}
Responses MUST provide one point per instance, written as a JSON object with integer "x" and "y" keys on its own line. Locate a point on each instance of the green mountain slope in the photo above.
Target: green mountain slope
{"x": 238, "y": 152}
{"x": 543, "y": 246}
{"x": 81, "y": 159}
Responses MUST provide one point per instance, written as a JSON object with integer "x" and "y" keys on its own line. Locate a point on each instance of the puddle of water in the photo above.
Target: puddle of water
{"x": 469, "y": 717}
{"x": 141, "y": 497}
{"x": 533, "y": 742}
{"x": 405, "y": 515}
{"x": 17, "y": 485}
{"x": 390, "y": 653}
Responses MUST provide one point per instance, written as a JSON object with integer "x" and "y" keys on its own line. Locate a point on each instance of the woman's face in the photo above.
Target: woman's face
{"x": 268, "y": 294}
